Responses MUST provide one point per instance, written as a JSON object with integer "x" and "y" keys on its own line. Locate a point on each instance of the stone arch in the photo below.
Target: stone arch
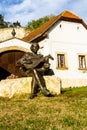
{"x": 13, "y": 48}
{"x": 14, "y": 44}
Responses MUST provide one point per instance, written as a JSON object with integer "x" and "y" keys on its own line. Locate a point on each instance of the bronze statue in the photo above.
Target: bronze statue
{"x": 36, "y": 65}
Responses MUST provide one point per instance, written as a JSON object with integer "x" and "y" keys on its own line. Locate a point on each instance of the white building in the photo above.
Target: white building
{"x": 65, "y": 38}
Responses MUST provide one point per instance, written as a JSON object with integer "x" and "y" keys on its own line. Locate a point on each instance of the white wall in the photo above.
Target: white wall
{"x": 14, "y": 43}
{"x": 71, "y": 39}
{"x": 69, "y": 32}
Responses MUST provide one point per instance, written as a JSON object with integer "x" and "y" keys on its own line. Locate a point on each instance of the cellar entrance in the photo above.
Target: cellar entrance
{"x": 8, "y": 63}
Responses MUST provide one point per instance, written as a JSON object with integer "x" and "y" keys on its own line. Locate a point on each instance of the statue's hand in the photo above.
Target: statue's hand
{"x": 49, "y": 57}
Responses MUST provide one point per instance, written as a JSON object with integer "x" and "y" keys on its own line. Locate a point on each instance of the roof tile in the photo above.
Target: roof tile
{"x": 65, "y": 15}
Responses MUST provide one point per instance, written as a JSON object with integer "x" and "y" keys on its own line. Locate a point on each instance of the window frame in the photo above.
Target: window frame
{"x": 65, "y": 65}
{"x": 82, "y": 58}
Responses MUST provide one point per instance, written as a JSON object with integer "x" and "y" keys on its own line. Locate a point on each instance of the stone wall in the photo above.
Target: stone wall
{"x": 5, "y": 33}
{"x": 11, "y": 87}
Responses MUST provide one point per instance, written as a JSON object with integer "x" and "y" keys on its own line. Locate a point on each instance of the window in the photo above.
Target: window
{"x": 61, "y": 62}
{"x": 82, "y": 61}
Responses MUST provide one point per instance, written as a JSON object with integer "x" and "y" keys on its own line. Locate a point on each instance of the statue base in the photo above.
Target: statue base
{"x": 18, "y": 86}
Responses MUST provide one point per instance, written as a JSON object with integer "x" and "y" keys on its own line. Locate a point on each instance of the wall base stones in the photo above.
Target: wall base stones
{"x": 10, "y": 87}
{"x": 79, "y": 82}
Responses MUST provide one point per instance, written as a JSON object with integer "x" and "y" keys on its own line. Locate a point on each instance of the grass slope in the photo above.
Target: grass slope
{"x": 67, "y": 111}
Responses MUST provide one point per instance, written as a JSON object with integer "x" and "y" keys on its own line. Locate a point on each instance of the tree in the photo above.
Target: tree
{"x": 37, "y": 23}
{"x": 3, "y": 24}
{"x": 16, "y": 24}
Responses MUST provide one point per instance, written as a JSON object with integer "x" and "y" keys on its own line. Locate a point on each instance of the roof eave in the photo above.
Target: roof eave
{"x": 74, "y": 20}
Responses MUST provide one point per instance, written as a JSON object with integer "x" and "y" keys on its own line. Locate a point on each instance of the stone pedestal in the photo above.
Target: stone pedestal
{"x": 10, "y": 87}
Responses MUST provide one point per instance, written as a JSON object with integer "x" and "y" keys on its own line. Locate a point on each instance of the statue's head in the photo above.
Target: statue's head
{"x": 34, "y": 47}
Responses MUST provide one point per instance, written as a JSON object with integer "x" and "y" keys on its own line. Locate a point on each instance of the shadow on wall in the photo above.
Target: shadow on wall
{"x": 4, "y": 73}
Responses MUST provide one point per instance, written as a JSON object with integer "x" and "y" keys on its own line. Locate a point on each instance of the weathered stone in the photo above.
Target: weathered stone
{"x": 10, "y": 87}
{"x": 5, "y": 33}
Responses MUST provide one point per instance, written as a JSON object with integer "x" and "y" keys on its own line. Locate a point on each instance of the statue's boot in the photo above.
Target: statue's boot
{"x": 45, "y": 92}
{"x": 32, "y": 96}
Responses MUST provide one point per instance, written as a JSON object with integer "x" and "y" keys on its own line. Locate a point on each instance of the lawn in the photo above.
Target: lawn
{"x": 67, "y": 111}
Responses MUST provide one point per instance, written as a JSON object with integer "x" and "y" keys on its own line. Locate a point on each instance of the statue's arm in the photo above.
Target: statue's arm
{"x": 24, "y": 60}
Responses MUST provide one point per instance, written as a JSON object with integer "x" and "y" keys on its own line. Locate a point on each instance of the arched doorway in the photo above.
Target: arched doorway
{"x": 8, "y": 63}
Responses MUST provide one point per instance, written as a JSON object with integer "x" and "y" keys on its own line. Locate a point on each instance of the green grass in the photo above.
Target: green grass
{"x": 67, "y": 111}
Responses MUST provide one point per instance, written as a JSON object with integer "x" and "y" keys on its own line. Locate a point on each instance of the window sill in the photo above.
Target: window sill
{"x": 82, "y": 68}
{"x": 65, "y": 68}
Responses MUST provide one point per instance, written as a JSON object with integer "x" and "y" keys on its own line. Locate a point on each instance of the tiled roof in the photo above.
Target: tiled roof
{"x": 66, "y": 15}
